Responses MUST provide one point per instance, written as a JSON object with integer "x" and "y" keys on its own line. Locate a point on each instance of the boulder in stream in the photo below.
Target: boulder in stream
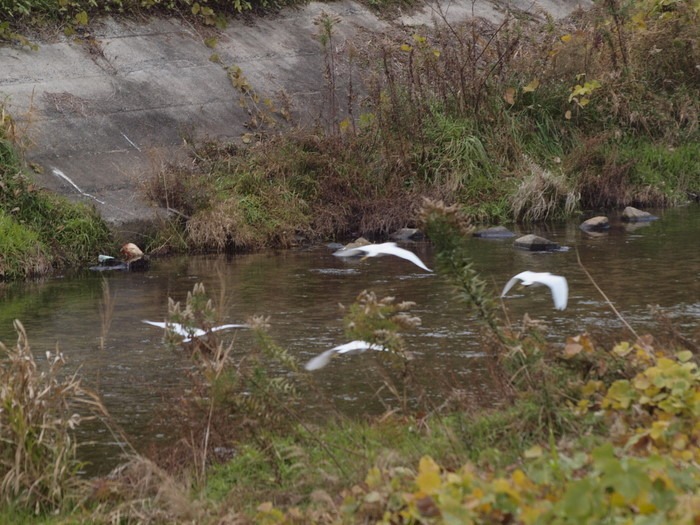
{"x": 535, "y": 243}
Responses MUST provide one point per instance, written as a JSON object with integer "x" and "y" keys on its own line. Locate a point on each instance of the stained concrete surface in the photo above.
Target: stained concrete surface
{"x": 101, "y": 114}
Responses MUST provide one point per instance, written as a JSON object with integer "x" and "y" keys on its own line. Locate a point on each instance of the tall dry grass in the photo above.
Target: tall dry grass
{"x": 492, "y": 117}
{"x": 41, "y": 407}
{"x": 544, "y": 195}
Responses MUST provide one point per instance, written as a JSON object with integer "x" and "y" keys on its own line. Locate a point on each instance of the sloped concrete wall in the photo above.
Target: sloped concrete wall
{"x": 103, "y": 112}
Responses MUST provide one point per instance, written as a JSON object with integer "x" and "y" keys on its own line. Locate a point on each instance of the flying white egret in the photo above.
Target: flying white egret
{"x": 353, "y": 347}
{"x": 557, "y": 284}
{"x": 387, "y": 248}
{"x": 189, "y": 333}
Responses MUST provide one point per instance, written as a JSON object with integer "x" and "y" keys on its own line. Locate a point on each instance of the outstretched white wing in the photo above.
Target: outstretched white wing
{"x": 513, "y": 280}
{"x": 189, "y": 333}
{"x": 347, "y": 252}
{"x": 390, "y": 248}
{"x": 387, "y": 248}
{"x": 556, "y": 283}
{"x": 320, "y": 360}
{"x": 227, "y": 326}
{"x": 186, "y": 333}
{"x": 353, "y": 347}
{"x": 559, "y": 287}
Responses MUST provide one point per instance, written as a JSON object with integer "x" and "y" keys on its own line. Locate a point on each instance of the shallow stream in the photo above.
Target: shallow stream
{"x": 137, "y": 374}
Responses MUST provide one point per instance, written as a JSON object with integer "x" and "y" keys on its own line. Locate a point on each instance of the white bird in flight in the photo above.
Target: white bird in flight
{"x": 556, "y": 283}
{"x": 353, "y": 347}
{"x": 189, "y": 333}
{"x": 387, "y": 248}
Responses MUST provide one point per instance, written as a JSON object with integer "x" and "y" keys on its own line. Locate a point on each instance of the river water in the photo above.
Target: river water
{"x": 137, "y": 374}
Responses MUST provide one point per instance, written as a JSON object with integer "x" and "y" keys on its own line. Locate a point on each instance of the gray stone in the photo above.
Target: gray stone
{"x": 495, "y": 232}
{"x": 360, "y": 241}
{"x": 630, "y": 214}
{"x": 406, "y": 234}
{"x": 535, "y": 243}
{"x": 595, "y": 224}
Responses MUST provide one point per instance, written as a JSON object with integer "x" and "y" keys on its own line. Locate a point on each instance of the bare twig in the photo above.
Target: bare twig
{"x": 611, "y": 305}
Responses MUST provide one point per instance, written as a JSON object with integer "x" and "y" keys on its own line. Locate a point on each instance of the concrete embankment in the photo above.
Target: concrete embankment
{"x": 103, "y": 111}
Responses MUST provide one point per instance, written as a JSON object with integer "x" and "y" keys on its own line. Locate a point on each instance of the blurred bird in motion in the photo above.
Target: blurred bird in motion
{"x": 190, "y": 333}
{"x": 556, "y": 283}
{"x": 353, "y": 347}
{"x": 387, "y": 248}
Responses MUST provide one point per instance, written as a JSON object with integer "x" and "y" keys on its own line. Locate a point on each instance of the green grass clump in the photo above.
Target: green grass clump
{"x": 635, "y": 172}
{"x": 674, "y": 171}
{"x": 73, "y": 14}
{"x": 22, "y": 254}
{"x": 41, "y": 231}
{"x": 57, "y": 234}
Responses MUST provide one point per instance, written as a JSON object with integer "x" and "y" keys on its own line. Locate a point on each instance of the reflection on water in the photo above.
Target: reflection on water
{"x": 136, "y": 374}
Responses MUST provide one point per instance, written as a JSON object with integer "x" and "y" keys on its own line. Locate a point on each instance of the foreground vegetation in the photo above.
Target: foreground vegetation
{"x": 579, "y": 433}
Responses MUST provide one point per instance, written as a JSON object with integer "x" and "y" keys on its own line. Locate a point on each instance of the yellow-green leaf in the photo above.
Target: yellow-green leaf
{"x": 641, "y": 382}
{"x": 532, "y": 86}
{"x": 81, "y": 18}
{"x": 533, "y": 452}
{"x": 684, "y": 356}
{"x": 374, "y": 477}
{"x": 622, "y": 349}
{"x": 428, "y": 478}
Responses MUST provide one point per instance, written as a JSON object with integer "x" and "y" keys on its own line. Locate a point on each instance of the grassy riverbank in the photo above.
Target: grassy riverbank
{"x": 521, "y": 121}
{"x": 40, "y": 231}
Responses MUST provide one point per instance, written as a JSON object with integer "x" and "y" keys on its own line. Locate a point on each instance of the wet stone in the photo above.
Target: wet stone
{"x": 595, "y": 224}
{"x": 535, "y": 243}
{"x": 407, "y": 234}
{"x": 631, "y": 214}
{"x": 360, "y": 241}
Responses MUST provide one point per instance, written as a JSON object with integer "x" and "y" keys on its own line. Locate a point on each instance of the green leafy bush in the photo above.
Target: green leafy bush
{"x": 22, "y": 254}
